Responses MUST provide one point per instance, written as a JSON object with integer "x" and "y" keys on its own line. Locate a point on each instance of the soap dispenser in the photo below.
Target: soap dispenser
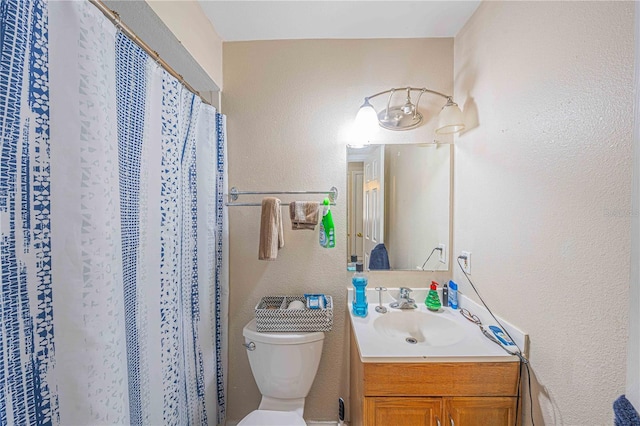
{"x": 359, "y": 281}
{"x": 433, "y": 300}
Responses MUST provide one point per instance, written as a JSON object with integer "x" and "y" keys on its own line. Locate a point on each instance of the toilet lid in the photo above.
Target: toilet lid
{"x": 272, "y": 418}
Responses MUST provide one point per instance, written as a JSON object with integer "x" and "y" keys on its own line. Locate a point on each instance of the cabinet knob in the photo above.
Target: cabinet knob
{"x": 438, "y": 421}
{"x": 359, "y": 234}
{"x": 451, "y": 422}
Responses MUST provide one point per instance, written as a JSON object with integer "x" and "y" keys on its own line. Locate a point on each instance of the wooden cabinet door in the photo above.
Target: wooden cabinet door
{"x": 480, "y": 411}
{"x": 402, "y": 411}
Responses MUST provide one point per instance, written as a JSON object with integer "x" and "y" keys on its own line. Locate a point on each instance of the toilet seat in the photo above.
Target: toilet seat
{"x": 272, "y": 418}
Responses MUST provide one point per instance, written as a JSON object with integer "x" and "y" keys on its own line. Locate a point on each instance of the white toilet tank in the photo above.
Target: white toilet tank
{"x": 284, "y": 364}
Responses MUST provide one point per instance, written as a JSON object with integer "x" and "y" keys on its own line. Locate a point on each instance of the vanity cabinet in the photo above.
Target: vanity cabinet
{"x": 416, "y": 394}
{"x": 437, "y": 411}
{"x": 488, "y": 410}
{"x": 390, "y": 410}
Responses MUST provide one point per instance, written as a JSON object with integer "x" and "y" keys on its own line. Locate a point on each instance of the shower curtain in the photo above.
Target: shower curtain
{"x": 112, "y": 229}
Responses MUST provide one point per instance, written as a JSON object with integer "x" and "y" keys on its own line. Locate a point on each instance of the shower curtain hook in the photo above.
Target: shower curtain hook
{"x": 157, "y": 59}
{"x": 118, "y": 20}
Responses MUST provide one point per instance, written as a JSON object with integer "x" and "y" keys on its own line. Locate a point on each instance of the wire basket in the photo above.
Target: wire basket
{"x": 272, "y": 315}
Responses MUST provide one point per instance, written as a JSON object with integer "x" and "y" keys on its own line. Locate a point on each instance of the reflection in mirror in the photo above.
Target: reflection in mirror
{"x": 398, "y": 205}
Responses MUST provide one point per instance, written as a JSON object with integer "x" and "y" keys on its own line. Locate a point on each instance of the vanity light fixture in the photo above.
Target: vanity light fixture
{"x": 407, "y": 116}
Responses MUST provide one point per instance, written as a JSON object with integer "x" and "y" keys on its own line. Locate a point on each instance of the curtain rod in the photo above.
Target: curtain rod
{"x": 114, "y": 17}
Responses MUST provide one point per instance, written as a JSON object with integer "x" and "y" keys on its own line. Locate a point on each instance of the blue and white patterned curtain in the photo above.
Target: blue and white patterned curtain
{"x": 114, "y": 287}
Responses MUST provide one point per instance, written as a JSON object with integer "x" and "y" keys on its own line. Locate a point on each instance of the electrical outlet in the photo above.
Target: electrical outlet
{"x": 466, "y": 262}
{"x": 443, "y": 253}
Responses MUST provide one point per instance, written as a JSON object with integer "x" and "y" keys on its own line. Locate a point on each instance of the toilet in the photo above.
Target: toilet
{"x": 284, "y": 365}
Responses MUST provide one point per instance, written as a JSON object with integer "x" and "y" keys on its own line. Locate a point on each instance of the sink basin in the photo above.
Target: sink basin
{"x": 419, "y": 328}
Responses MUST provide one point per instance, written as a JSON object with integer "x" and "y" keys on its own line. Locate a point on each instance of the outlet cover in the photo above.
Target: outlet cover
{"x": 443, "y": 253}
{"x": 466, "y": 263}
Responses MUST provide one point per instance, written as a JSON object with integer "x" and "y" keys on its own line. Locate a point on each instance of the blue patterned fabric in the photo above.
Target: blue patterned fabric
{"x": 131, "y": 98}
{"x": 112, "y": 229}
{"x": 190, "y": 284}
{"x": 220, "y": 188}
{"x": 624, "y": 413}
{"x": 27, "y": 346}
{"x": 170, "y": 206}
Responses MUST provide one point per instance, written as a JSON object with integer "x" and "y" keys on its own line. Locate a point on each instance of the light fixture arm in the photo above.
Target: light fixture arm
{"x": 415, "y": 111}
{"x": 421, "y": 89}
{"x": 386, "y": 113}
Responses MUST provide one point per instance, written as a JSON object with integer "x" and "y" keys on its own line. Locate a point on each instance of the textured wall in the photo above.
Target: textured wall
{"x": 195, "y": 32}
{"x": 289, "y": 105}
{"x": 633, "y": 360}
{"x": 543, "y": 189}
{"x": 150, "y": 28}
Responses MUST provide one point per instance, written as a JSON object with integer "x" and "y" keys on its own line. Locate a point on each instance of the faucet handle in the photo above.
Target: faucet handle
{"x": 404, "y": 292}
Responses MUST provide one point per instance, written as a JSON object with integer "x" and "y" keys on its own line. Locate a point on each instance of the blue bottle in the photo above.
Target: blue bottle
{"x": 453, "y": 295}
{"x": 359, "y": 281}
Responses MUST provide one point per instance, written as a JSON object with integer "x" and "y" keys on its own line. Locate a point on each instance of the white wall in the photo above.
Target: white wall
{"x": 633, "y": 353}
{"x": 140, "y": 17}
{"x": 417, "y": 191}
{"x": 542, "y": 189}
{"x": 289, "y": 106}
{"x": 195, "y": 32}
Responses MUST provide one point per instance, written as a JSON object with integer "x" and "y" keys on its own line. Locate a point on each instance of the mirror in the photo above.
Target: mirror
{"x": 399, "y": 196}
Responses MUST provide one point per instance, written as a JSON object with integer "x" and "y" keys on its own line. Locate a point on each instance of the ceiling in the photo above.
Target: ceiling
{"x": 278, "y": 20}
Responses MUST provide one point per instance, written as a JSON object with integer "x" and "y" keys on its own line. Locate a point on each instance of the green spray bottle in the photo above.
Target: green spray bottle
{"x": 327, "y": 230}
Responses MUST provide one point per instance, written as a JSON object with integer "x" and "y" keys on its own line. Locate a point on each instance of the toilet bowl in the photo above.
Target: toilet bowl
{"x": 284, "y": 365}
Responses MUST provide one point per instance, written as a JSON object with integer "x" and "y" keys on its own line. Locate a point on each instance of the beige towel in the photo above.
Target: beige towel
{"x": 304, "y": 214}
{"x": 271, "y": 235}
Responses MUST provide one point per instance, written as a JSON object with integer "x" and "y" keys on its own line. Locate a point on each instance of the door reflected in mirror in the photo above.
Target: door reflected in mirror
{"x": 398, "y": 209}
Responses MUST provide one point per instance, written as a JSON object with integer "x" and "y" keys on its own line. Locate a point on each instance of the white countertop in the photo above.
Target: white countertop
{"x": 376, "y": 347}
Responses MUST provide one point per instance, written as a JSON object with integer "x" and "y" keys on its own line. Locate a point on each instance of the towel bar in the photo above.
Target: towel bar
{"x": 234, "y": 193}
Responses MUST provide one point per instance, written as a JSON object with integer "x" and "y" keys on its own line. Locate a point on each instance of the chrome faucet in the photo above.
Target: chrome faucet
{"x": 404, "y": 301}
